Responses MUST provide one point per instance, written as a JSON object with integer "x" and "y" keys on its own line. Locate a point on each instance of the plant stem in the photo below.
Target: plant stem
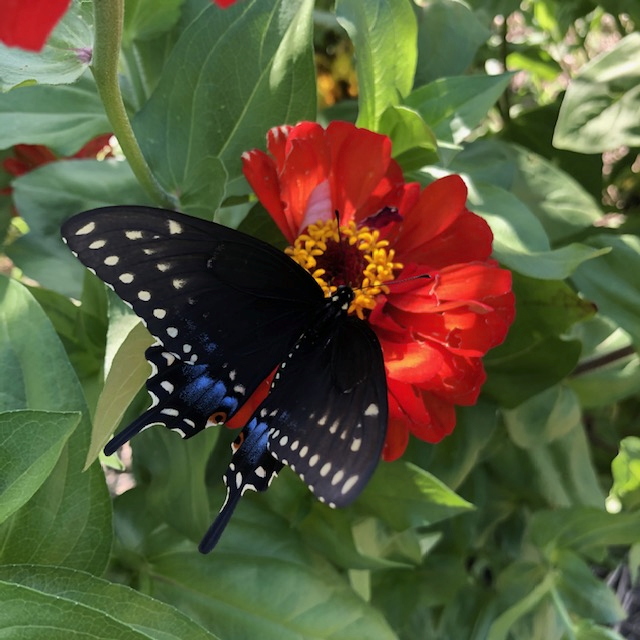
{"x": 603, "y": 360}
{"x": 109, "y": 16}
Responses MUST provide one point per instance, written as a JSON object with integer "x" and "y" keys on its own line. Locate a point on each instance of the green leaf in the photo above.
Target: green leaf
{"x": 625, "y": 468}
{"x": 453, "y": 107}
{"x": 559, "y": 473}
{"x": 306, "y": 598}
{"x": 414, "y": 144}
{"x": 612, "y": 281}
{"x": 543, "y": 418}
{"x": 584, "y": 594}
{"x": 455, "y": 457}
{"x": 63, "y": 58}
{"x": 193, "y": 156}
{"x": 404, "y": 496}
{"x": 588, "y": 630}
{"x": 560, "y": 203}
{"x": 499, "y": 630}
{"x": 600, "y": 109}
{"x": 449, "y": 35}
{"x": 584, "y": 530}
{"x": 127, "y": 374}
{"x": 30, "y": 444}
{"x": 597, "y": 380}
{"x": 145, "y": 19}
{"x": 174, "y": 471}
{"x": 55, "y": 602}
{"x": 520, "y": 240}
{"x": 533, "y": 357}
{"x": 68, "y": 520}
{"x": 384, "y": 34}
{"x": 63, "y": 118}
{"x": 47, "y": 196}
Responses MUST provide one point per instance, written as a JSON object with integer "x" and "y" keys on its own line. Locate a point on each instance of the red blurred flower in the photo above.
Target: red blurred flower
{"x": 28, "y": 23}
{"x": 28, "y": 157}
{"x": 224, "y": 3}
{"x": 433, "y": 331}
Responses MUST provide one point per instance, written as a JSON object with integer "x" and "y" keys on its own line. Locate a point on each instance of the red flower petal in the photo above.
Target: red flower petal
{"x": 439, "y": 230}
{"x": 223, "y": 4}
{"x": 28, "y": 23}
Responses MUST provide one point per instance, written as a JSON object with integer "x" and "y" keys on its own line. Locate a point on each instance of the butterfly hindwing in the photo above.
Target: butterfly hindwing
{"x": 327, "y": 412}
{"x": 224, "y": 307}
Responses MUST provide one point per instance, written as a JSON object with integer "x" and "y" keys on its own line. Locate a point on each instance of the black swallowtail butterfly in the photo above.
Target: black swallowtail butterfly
{"x": 226, "y": 309}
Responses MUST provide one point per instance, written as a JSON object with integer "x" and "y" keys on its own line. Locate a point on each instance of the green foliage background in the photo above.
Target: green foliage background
{"x": 504, "y": 530}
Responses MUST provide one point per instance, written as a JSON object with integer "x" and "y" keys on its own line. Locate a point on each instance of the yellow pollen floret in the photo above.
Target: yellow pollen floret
{"x": 377, "y": 258}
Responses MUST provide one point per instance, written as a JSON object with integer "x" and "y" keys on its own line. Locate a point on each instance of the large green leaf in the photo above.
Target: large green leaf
{"x": 259, "y": 582}
{"x": 454, "y": 106}
{"x": 173, "y": 472}
{"x": 612, "y": 281}
{"x": 64, "y": 57}
{"x": 558, "y": 473}
{"x": 583, "y": 530}
{"x": 535, "y": 355}
{"x": 145, "y": 19}
{"x": 68, "y": 520}
{"x": 127, "y": 374}
{"x": 404, "y": 496}
{"x": 384, "y": 36}
{"x": 543, "y": 418}
{"x": 560, "y": 203}
{"x": 449, "y": 35}
{"x": 30, "y": 444}
{"x": 209, "y": 106}
{"x": 600, "y": 109}
{"x": 56, "y": 603}
{"x": 63, "y": 118}
{"x": 47, "y": 196}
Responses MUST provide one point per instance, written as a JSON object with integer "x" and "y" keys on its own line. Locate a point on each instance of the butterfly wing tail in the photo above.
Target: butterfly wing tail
{"x": 214, "y": 532}
{"x": 126, "y": 434}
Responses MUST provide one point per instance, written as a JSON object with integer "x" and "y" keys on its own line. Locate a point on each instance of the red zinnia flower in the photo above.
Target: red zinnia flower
{"x": 433, "y": 331}
{"x": 28, "y": 157}
{"x": 28, "y": 23}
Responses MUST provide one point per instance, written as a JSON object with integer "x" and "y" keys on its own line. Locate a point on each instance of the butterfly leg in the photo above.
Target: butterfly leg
{"x": 252, "y": 467}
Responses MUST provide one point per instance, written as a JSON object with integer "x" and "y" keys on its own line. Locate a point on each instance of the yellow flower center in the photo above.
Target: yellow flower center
{"x": 355, "y": 257}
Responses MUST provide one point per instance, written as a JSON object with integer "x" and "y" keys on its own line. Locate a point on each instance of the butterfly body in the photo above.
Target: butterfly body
{"x": 226, "y": 309}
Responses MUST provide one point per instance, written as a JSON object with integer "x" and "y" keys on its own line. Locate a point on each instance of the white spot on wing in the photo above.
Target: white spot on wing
{"x": 167, "y": 386}
{"x": 145, "y": 296}
{"x": 337, "y": 477}
{"x": 133, "y": 235}
{"x": 313, "y": 459}
{"x": 356, "y": 444}
{"x": 170, "y": 412}
{"x": 126, "y": 278}
{"x": 371, "y": 410}
{"x": 260, "y": 472}
{"x": 175, "y": 227}
{"x": 163, "y": 266}
{"x": 159, "y": 313}
{"x": 178, "y": 283}
{"x": 97, "y": 244}
{"x": 172, "y": 332}
{"x": 111, "y": 261}
{"x": 88, "y": 228}
{"x": 325, "y": 469}
{"x": 349, "y": 484}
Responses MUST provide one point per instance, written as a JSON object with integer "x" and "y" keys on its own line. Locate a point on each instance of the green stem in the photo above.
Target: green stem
{"x": 109, "y": 16}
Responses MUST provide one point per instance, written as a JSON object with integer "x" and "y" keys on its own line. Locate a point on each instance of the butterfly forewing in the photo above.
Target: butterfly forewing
{"x": 330, "y": 427}
{"x": 223, "y": 306}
